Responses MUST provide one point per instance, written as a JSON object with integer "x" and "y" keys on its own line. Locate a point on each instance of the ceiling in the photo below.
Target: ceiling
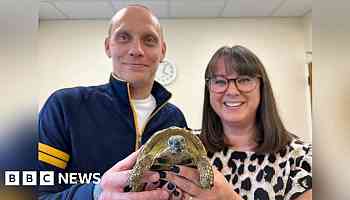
{"x": 104, "y": 9}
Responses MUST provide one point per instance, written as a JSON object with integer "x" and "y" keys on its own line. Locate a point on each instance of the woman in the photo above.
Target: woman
{"x": 245, "y": 137}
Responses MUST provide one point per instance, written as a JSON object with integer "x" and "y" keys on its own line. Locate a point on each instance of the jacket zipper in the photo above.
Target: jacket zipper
{"x": 139, "y": 133}
{"x": 148, "y": 119}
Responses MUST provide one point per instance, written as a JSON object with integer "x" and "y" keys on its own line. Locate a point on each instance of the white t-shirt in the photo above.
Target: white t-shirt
{"x": 143, "y": 109}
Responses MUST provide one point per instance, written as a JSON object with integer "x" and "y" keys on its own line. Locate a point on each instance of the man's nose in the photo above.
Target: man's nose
{"x": 136, "y": 49}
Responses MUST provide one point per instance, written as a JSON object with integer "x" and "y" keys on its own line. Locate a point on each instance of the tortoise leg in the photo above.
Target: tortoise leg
{"x": 206, "y": 174}
{"x": 137, "y": 173}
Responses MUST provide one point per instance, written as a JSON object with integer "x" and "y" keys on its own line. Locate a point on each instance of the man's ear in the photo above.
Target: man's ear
{"x": 163, "y": 51}
{"x": 107, "y": 49}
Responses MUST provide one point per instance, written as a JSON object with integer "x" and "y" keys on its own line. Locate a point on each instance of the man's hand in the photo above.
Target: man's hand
{"x": 115, "y": 180}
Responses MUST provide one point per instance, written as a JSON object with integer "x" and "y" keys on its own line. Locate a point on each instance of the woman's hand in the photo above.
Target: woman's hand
{"x": 186, "y": 180}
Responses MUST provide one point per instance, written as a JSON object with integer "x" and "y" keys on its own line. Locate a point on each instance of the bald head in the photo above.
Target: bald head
{"x": 136, "y": 46}
{"x": 135, "y": 9}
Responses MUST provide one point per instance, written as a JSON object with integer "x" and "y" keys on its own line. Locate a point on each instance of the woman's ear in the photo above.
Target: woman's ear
{"x": 107, "y": 49}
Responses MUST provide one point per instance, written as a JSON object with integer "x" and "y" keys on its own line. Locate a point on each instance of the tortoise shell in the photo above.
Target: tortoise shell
{"x": 169, "y": 147}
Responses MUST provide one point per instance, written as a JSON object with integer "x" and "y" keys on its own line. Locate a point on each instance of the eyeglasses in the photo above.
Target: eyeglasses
{"x": 220, "y": 84}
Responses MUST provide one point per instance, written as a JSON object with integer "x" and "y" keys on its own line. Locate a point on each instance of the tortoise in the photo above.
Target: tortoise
{"x": 169, "y": 147}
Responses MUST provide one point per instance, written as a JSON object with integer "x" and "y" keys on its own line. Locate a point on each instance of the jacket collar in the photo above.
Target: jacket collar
{"x": 121, "y": 90}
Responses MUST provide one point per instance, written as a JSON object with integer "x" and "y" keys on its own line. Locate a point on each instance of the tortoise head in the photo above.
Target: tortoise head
{"x": 176, "y": 143}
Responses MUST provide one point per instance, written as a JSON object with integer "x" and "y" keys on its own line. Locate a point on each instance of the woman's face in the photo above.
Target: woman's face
{"x": 234, "y": 108}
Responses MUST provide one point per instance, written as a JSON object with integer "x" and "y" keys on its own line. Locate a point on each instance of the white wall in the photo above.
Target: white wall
{"x": 331, "y": 108}
{"x": 307, "y": 23}
{"x": 17, "y": 66}
{"x": 71, "y": 53}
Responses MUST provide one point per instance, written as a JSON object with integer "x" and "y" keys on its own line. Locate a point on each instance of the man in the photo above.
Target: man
{"x": 89, "y": 129}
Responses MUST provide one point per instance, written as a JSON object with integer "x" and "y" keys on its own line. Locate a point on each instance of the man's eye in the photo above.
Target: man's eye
{"x": 151, "y": 41}
{"x": 122, "y": 37}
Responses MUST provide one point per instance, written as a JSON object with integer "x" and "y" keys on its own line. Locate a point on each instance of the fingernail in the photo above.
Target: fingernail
{"x": 162, "y": 174}
{"x": 155, "y": 167}
{"x": 162, "y": 182}
{"x": 175, "y": 169}
{"x": 127, "y": 188}
{"x": 144, "y": 186}
{"x": 170, "y": 186}
{"x": 176, "y": 193}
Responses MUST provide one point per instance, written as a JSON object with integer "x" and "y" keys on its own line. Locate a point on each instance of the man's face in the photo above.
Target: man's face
{"x": 135, "y": 46}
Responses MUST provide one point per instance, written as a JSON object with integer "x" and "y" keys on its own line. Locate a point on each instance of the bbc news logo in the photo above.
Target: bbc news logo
{"x": 48, "y": 178}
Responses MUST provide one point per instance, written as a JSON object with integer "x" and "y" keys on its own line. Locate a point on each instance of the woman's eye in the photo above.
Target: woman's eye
{"x": 244, "y": 80}
{"x": 220, "y": 82}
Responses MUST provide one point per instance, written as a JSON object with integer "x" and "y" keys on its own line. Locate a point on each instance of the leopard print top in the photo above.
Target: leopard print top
{"x": 275, "y": 176}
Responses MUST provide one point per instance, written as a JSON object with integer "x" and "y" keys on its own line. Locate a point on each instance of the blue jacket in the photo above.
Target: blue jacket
{"x": 89, "y": 129}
